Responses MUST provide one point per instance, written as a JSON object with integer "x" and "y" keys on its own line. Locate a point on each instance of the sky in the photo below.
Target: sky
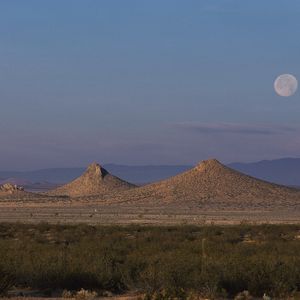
{"x": 146, "y": 82}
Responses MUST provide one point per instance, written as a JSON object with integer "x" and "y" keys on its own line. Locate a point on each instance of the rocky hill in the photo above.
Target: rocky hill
{"x": 94, "y": 181}
{"x": 213, "y": 185}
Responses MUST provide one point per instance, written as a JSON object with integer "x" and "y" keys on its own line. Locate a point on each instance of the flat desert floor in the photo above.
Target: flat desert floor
{"x": 132, "y": 214}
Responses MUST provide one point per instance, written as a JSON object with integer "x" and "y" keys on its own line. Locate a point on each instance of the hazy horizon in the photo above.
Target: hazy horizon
{"x": 146, "y": 83}
{"x": 109, "y": 164}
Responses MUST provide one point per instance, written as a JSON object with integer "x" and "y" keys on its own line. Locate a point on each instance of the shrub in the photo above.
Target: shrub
{"x": 85, "y": 295}
{"x": 66, "y": 294}
{"x": 163, "y": 262}
{"x": 7, "y": 280}
{"x": 245, "y": 295}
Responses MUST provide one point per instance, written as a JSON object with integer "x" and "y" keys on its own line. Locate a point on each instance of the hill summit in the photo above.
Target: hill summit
{"x": 94, "y": 181}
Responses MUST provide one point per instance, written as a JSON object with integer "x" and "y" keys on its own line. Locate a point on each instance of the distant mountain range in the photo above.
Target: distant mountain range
{"x": 134, "y": 174}
{"x": 283, "y": 171}
{"x": 54, "y": 175}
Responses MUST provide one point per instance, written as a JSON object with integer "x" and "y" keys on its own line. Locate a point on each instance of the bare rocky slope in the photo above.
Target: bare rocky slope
{"x": 94, "y": 181}
{"x": 212, "y": 185}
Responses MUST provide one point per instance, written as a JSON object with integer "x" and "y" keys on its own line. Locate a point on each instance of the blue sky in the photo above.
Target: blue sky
{"x": 146, "y": 82}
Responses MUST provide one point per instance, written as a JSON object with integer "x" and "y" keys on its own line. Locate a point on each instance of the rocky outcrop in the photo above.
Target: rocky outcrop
{"x": 10, "y": 188}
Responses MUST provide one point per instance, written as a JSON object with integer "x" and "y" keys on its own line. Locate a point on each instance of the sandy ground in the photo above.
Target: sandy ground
{"x": 123, "y": 215}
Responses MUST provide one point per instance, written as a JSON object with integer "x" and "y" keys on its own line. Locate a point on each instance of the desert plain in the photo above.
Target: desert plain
{"x": 209, "y": 193}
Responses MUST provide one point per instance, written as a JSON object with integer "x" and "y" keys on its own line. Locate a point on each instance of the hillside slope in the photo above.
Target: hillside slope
{"x": 211, "y": 184}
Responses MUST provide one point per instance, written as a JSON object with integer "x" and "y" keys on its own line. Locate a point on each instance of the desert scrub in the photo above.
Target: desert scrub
{"x": 7, "y": 280}
{"x": 245, "y": 295}
{"x": 67, "y": 294}
{"x": 171, "y": 262}
{"x": 85, "y": 295}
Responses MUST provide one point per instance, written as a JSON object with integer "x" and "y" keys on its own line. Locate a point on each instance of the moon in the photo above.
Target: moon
{"x": 286, "y": 85}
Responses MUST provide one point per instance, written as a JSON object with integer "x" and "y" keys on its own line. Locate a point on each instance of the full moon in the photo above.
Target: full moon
{"x": 286, "y": 85}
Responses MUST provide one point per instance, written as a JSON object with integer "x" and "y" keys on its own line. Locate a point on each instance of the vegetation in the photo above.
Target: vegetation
{"x": 163, "y": 262}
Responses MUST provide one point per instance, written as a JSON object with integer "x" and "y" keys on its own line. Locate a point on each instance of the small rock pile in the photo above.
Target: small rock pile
{"x": 10, "y": 188}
